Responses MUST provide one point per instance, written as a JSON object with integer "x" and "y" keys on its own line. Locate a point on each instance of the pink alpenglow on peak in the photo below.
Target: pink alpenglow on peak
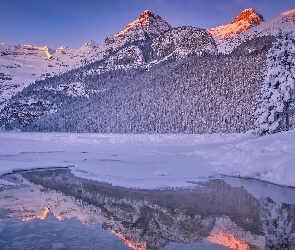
{"x": 148, "y": 21}
{"x": 247, "y": 19}
{"x": 144, "y": 20}
{"x": 290, "y": 16}
{"x": 290, "y": 12}
{"x": 249, "y": 15}
{"x": 147, "y": 26}
{"x": 284, "y": 22}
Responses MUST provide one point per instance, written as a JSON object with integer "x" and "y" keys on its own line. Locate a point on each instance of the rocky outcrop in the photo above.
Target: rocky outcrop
{"x": 181, "y": 41}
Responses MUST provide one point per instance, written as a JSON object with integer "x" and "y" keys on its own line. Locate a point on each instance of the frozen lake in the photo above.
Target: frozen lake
{"x": 54, "y": 209}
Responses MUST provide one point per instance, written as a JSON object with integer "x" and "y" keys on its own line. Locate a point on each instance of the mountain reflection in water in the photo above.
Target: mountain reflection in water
{"x": 212, "y": 213}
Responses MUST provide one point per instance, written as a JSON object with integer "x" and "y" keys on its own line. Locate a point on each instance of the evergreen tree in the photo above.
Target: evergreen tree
{"x": 277, "y": 88}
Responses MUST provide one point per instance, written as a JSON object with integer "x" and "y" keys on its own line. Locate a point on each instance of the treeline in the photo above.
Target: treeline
{"x": 198, "y": 94}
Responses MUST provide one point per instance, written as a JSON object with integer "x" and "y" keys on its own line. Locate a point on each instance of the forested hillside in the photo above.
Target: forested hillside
{"x": 198, "y": 94}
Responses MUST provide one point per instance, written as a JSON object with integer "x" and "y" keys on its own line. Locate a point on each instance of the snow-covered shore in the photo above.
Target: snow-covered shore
{"x": 153, "y": 161}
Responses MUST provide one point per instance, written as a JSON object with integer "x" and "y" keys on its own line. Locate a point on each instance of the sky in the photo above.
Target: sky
{"x": 72, "y": 23}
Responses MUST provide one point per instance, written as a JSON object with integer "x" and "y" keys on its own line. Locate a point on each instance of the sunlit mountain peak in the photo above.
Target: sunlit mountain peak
{"x": 247, "y": 19}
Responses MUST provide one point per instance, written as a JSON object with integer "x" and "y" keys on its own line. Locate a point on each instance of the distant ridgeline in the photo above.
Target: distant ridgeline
{"x": 200, "y": 93}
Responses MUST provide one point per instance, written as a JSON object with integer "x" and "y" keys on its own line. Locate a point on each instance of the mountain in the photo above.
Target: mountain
{"x": 24, "y": 64}
{"x": 206, "y": 93}
{"x": 148, "y": 78}
{"x": 20, "y": 65}
{"x": 247, "y": 19}
{"x": 147, "y": 41}
{"x": 145, "y": 28}
{"x": 148, "y": 26}
{"x": 285, "y": 22}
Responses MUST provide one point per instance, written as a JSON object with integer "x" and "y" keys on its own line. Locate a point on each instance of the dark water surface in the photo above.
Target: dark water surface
{"x": 53, "y": 209}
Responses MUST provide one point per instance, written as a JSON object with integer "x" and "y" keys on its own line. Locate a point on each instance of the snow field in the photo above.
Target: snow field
{"x": 154, "y": 161}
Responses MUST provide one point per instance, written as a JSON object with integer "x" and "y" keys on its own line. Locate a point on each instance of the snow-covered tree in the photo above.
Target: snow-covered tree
{"x": 277, "y": 88}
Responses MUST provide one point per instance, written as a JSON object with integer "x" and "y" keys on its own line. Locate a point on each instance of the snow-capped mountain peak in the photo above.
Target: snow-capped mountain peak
{"x": 284, "y": 22}
{"x": 147, "y": 21}
{"x": 143, "y": 20}
{"x": 250, "y": 16}
{"x": 63, "y": 54}
{"x": 247, "y": 19}
{"x": 48, "y": 51}
{"x": 290, "y": 13}
{"x": 148, "y": 26}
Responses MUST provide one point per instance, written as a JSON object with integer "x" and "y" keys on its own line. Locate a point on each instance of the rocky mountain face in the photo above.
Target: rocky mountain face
{"x": 179, "y": 42}
{"x": 147, "y": 27}
{"x": 143, "y": 38}
{"x": 247, "y": 19}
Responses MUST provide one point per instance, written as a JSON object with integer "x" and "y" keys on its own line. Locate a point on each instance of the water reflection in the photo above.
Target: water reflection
{"x": 41, "y": 216}
{"x": 215, "y": 213}
{"x": 51, "y": 233}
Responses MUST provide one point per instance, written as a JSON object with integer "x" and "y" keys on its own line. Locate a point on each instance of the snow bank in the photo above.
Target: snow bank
{"x": 268, "y": 158}
{"x": 6, "y": 183}
{"x": 154, "y": 161}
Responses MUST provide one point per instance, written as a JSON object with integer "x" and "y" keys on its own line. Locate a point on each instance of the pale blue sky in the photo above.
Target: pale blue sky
{"x": 73, "y": 22}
